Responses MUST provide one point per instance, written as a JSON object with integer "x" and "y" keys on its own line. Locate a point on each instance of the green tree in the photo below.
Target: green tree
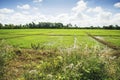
{"x": 1, "y": 26}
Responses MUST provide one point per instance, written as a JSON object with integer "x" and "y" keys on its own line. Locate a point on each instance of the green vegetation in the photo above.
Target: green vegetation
{"x": 49, "y": 25}
{"x": 55, "y": 37}
{"x": 58, "y": 54}
{"x": 115, "y": 40}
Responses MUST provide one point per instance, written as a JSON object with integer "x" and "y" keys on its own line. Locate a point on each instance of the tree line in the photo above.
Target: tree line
{"x": 49, "y": 25}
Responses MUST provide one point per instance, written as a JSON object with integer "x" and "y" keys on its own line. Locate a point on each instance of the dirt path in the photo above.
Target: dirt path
{"x": 108, "y": 44}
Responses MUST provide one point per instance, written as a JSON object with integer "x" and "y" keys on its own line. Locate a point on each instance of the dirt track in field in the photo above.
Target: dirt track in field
{"x": 108, "y": 44}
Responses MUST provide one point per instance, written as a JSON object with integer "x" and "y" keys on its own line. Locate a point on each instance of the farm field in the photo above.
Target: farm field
{"x": 59, "y": 54}
{"x": 56, "y": 37}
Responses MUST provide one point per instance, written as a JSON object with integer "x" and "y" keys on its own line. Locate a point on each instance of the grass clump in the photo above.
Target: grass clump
{"x": 37, "y": 46}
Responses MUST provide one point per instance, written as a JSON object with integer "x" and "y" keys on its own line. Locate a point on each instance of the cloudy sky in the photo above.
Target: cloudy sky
{"x": 79, "y": 12}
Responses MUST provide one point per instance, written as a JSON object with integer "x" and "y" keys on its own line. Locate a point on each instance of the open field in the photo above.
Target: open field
{"x": 59, "y": 54}
{"x": 56, "y": 37}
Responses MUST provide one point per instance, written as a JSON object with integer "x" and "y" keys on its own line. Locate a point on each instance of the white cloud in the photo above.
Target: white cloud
{"x": 35, "y": 8}
{"x": 96, "y": 9}
{"x": 5, "y": 10}
{"x": 25, "y": 12}
{"x": 99, "y": 16}
{"x": 117, "y": 5}
{"x": 93, "y": 16}
{"x": 81, "y": 6}
{"x": 82, "y": 15}
{"x": 26, "y": 6}
{"x": 116, "y": 19}
{"x": 36, "y": 1}
{"x": 2, "y": 16}
{"x": 64, "y": 18}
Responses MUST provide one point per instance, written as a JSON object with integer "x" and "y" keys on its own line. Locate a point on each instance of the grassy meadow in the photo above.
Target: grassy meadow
{"x": 59, "y": 54}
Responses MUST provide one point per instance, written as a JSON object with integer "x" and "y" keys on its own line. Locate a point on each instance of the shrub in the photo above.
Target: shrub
{"x": 37, "y": 46}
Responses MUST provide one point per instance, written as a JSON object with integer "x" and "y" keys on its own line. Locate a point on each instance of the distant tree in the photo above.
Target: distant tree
{"x": 91, "y": 27}
{"x": 117, "y": 27}
{"x": 50, "y": 25}
{"x": 6, "y": 26}
{"x": 111, "y": 27}
{"x": 30, "y": 25}
{"x": 1, "y": 26}
{"x": 105, "y": 27}
{"x": 75, "y": 26}
{"x": 69, "y": 25}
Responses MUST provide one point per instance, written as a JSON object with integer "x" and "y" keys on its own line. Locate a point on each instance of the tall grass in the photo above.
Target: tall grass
{"x": 6, "y": 54}
{"x": 77, "y": 63}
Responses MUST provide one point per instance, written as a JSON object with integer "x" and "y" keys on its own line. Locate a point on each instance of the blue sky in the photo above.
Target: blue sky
{"x": 57, "y": 5}
{"x": 107, "y": 4}
{"x": 77, "y": 12}
{"x": 47, "y": 6}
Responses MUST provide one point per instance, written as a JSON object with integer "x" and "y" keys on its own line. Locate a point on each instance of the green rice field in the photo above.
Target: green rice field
{"x": 56, "y": 37}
